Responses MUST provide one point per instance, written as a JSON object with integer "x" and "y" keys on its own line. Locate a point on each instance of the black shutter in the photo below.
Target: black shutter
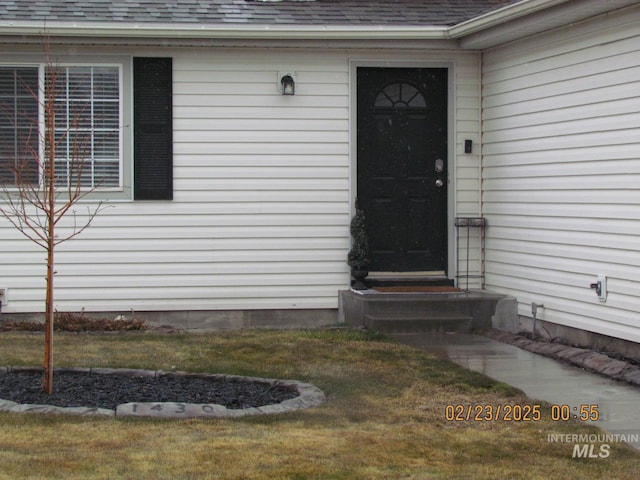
{"x": 152, "y": 129}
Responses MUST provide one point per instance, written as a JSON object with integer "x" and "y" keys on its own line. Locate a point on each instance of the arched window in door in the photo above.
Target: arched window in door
{"x": 400, "y": 95}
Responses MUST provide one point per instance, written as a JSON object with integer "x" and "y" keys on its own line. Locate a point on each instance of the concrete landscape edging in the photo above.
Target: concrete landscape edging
{"x": 580, "y": 357}
{"x": 308, "y": 396}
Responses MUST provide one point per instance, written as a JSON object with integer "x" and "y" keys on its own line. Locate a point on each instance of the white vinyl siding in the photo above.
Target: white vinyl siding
{"x": 467, "y": 241}
{"x": 262, "y": 192}
{"x": 561, "y": 170}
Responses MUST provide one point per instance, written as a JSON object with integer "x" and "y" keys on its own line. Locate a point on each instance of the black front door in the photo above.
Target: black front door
{"x": 402, "y": 166}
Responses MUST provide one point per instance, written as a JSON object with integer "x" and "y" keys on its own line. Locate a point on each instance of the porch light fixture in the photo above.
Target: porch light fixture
{"x": 287, "y": 84}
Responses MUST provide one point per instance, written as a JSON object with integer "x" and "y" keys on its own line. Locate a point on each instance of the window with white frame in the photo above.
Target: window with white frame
{"x": 87, "y": 125}
{"x": 87, "y": 108}
{"x": 19, "y": 119}
{"x": 115, "y": 118}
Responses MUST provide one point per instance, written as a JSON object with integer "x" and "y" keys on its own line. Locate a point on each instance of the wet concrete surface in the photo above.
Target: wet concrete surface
{"x": 541, "y": 378}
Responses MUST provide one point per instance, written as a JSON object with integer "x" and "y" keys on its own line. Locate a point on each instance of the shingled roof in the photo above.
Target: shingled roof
{"x": 253, "y": 12}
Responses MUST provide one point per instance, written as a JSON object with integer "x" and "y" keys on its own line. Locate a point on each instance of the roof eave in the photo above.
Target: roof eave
{"x": 528, "y": 18}
{"x": 502, "y": 15}
{"x": 229, "y": 31}
{"x": 517, "y": 20}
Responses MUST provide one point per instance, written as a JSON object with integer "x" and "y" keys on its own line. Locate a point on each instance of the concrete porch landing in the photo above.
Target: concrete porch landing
{"x": 461, "y": 312}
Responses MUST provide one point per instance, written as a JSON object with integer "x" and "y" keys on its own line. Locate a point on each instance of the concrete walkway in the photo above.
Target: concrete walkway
{"x": 541, "y": 378}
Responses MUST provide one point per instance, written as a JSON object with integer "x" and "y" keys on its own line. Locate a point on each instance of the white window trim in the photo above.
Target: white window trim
{"x": 124, "y": 190}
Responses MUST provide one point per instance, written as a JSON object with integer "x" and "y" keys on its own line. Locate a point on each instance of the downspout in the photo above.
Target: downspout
{"x": 480, "y": 169}
{"x": 480, "y": 119}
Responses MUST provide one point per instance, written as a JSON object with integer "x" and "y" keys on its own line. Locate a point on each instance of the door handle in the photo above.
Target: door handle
{"x": 439, "y": 183}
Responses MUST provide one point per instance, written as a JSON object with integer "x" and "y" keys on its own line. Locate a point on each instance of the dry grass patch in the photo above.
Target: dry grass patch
{"x": 384, "y": 418}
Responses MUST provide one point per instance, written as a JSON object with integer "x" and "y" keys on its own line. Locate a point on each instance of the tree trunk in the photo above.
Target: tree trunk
{"x": 47, "y": 384}
{"x": 49, "y": 181}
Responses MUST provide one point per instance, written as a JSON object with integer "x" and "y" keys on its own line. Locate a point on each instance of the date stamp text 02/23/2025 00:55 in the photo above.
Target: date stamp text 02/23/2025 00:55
{"x": 519, "y": 413}
{"x": 594, "y": 446}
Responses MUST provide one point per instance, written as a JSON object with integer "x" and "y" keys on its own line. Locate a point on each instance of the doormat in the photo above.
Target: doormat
{"x": 418, "y": 288}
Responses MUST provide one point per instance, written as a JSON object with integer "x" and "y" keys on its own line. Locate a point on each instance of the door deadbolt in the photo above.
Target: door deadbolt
{"x": 439, "y": 166}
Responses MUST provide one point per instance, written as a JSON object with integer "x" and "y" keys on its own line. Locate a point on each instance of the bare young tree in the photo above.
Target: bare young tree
{"x": 37, "y": 193}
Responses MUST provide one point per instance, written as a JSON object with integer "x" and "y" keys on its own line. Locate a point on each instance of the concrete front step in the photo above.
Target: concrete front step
{"x": 441, "y": 324}
{"x": 383, "y": 281}
{"x": 404, "y": 313}
{"x": 416, "y": 305}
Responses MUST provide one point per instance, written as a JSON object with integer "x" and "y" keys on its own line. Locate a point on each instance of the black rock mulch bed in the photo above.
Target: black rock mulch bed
{"x": 109, "y": 390}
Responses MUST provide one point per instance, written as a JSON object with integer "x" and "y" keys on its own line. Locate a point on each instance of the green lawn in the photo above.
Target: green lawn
{"x": 384, "y": 419}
